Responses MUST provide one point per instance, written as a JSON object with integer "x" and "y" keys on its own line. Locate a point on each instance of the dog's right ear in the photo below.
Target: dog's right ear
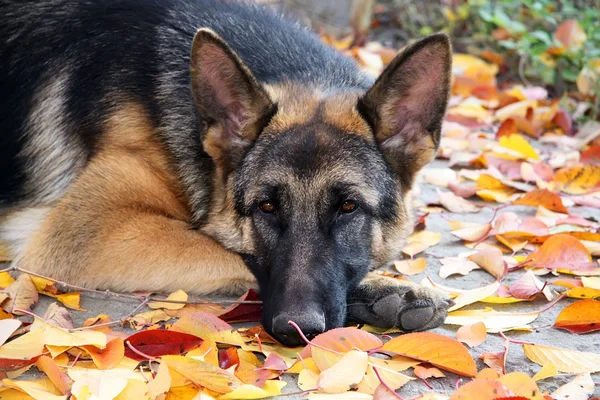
{"x": 231, "y": 102}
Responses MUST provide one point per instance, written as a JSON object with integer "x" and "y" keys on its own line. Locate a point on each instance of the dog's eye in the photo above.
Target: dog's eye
{"x": 267, "y": 207}
{"x": 349, "y": 206}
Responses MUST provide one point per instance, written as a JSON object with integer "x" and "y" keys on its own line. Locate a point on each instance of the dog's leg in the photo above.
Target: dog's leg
{"x": 387, "y": 302}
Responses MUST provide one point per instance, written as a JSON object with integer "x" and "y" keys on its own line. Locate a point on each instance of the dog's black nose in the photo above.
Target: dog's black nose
{"x": 311, "y": 325}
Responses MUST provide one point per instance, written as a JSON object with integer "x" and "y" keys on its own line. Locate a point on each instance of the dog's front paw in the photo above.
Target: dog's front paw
{"x": 389, "y": 303}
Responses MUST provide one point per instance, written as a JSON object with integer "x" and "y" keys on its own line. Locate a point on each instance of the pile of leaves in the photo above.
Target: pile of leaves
{"x": 503, "y": 149}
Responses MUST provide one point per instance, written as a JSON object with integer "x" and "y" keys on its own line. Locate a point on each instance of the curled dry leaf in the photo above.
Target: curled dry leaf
{"x": 98, "y": 320}
{"x": 580, "y": 317}
{"x": 161, "y": 382}
{"x": 441, "y": 351}
{"x": 528, "y": 286}
{"x": 472, "y": 335}
{"x": 58, "y": 316}
{"x": 243, "y": 312}
{"x": 59, "y": 379}
{"x": 22, "y": 295}
{"x": 473, "y": 233}
{"x": 410, "y": 267}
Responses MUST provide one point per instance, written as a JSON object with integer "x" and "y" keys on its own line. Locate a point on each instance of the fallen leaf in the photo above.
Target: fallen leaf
{"x": 490, "y": 259}
{"x": 421, "y": 241}
{"x": 518, "y": 144}
{"x": 179, "y": 295}
{"x": 527, "y": 286}
{"x": 41, "y": 389}
{"x": 570, "y": 34}
{"x": 569, "y": 361}
{"x": 494, "y": 321}
{"x": 270, "y": 389}
{"x": 543, "y": 197}
{"x": 580, "y": 317}
{"x": 70, "y": 300}
{"x": 59, "y": 379}
{"x": 7, "y": 327}
{"x": 582, "y": 293}
{"x": 580, "y": 179}
{"x": 546, "y": 371}
{"x": 426, "y": 373}
{"x": 410, "y": 267}
{"x": 58, "y": 316}
{"x": 203, "y": 374}
{"x": 472, "y": 335}
{"x": 22, "y": 295}
{"x": 389, "y": 372}
{"x": 472, "y": 233}
{"x": 161, "y": 382}
{"x": 455, "y": 265}
{"x": 340, "y": 340}
{"x": 345, "y": 374}
{"x": 521, "y": 384}
{"x": 481, "y": 389}
{"x": 5, "y": 278}
{"x": 243, "y": 312}
{"x": 495, "y": 360}
{"x": 98, "y": 320}
{"x": 160, "y": 342}
{"x": 441, "y": 351}
{"x": 561, "y": 252}
{"x": 474, "y": 295}
{"x": 209, "y": 327}
{"x": 456, "y": 204}
{"x": 148, "y": 318}
{"x": 580, "y": 388}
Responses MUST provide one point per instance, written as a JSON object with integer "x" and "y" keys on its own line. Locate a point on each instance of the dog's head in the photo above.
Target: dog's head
{"x": 311, "y": 186}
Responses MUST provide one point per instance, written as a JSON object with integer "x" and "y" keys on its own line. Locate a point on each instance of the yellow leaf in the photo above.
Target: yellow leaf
{"x": 100, "y": 384}
{"x": 148, "y": 318}
{"x": 546, "y": 371}
{"x": 410, "y": 267}
{"x": 494, "y": 321}
{"x": 501, "y": 300}
{"x": 161, "y": 382}
{"x": 61, "y": 337}
{"x": 421, "y": 241}
{"x": 307, "y": 379}
{"x": 271, "y": 388}
{"x": 474, "y": 295}
{"x": 389, "y": 373}
{"x": 203, "y": 374}
{"x": 518, "y": 109}
{"x": 179, "y": 295}
{"x": 71, "y": 300}
{"x": 135, "y": 389}
{"x": 580, "y": 179}
{"x": 345, "y": 374}
{"x": 569, "y": 361}
{"x": 24, "y": 347}
{"x": 583, "y": 293}
{"x": 503, "y": 195}
{"x": 41, "y": 389}
{"x": 340, "y": 396}
{"x": 308, "y": 363}
{"x": 517, "y": 143}
{"x": 6, "y": 280}
{"x": 521, "y": 384}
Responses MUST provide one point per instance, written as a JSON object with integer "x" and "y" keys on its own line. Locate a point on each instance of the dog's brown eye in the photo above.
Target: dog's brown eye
{"x": 267, "y": 207}
{"x": 349, "y": 206}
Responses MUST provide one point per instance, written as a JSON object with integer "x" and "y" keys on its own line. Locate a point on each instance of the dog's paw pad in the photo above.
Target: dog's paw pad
{"x": 416, "y": 318}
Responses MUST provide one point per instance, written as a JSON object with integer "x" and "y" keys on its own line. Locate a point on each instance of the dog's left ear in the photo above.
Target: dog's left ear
{"x": 407, "y": 103}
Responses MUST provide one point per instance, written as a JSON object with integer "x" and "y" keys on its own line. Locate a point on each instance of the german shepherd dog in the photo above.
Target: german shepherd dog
{"x": 211, "y": 146}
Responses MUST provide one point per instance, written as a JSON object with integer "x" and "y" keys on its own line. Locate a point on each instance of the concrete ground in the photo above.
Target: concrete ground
{"x": 449, "y": 246}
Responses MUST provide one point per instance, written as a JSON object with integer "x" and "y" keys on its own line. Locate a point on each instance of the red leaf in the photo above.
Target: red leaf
{"x": 591, "y": 155}
{"x": 244, "y": 312}
{"x": 10, "y": 364}
{"x": 562, "y": 251}
{"x": 160, "y": 342}
{"x": 563, "y": 120}
{"x": 506, "y": 128}
{"x": 228, "y": 357}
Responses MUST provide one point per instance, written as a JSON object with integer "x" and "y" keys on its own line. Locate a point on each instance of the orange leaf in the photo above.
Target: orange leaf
{"x": 490, "y": 259}
{"x": 507, "y": 128}
{"x": 108, "y": 357}
{"x": 591, "y": 155}
{"x": 580, "y": 179}
{"x": 97, "y": 320}
{"x": 441, "y": 351}
{"x": 580, "y": 317}
{"x": 59, "y": 378}
{"x": 543, "y": 197}
{"x": 570, "y": 34}
{"x": 472, "y": 335}
{"x": 425, "y": 373}
{"x": 562, "y": 251}
{"x": 481, "y": 389}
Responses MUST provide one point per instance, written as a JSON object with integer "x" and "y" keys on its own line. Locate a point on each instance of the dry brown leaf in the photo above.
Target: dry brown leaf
{"x": 22, "y": 295}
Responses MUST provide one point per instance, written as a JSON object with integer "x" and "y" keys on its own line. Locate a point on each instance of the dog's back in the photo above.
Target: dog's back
{"x": 69, "y": 65}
